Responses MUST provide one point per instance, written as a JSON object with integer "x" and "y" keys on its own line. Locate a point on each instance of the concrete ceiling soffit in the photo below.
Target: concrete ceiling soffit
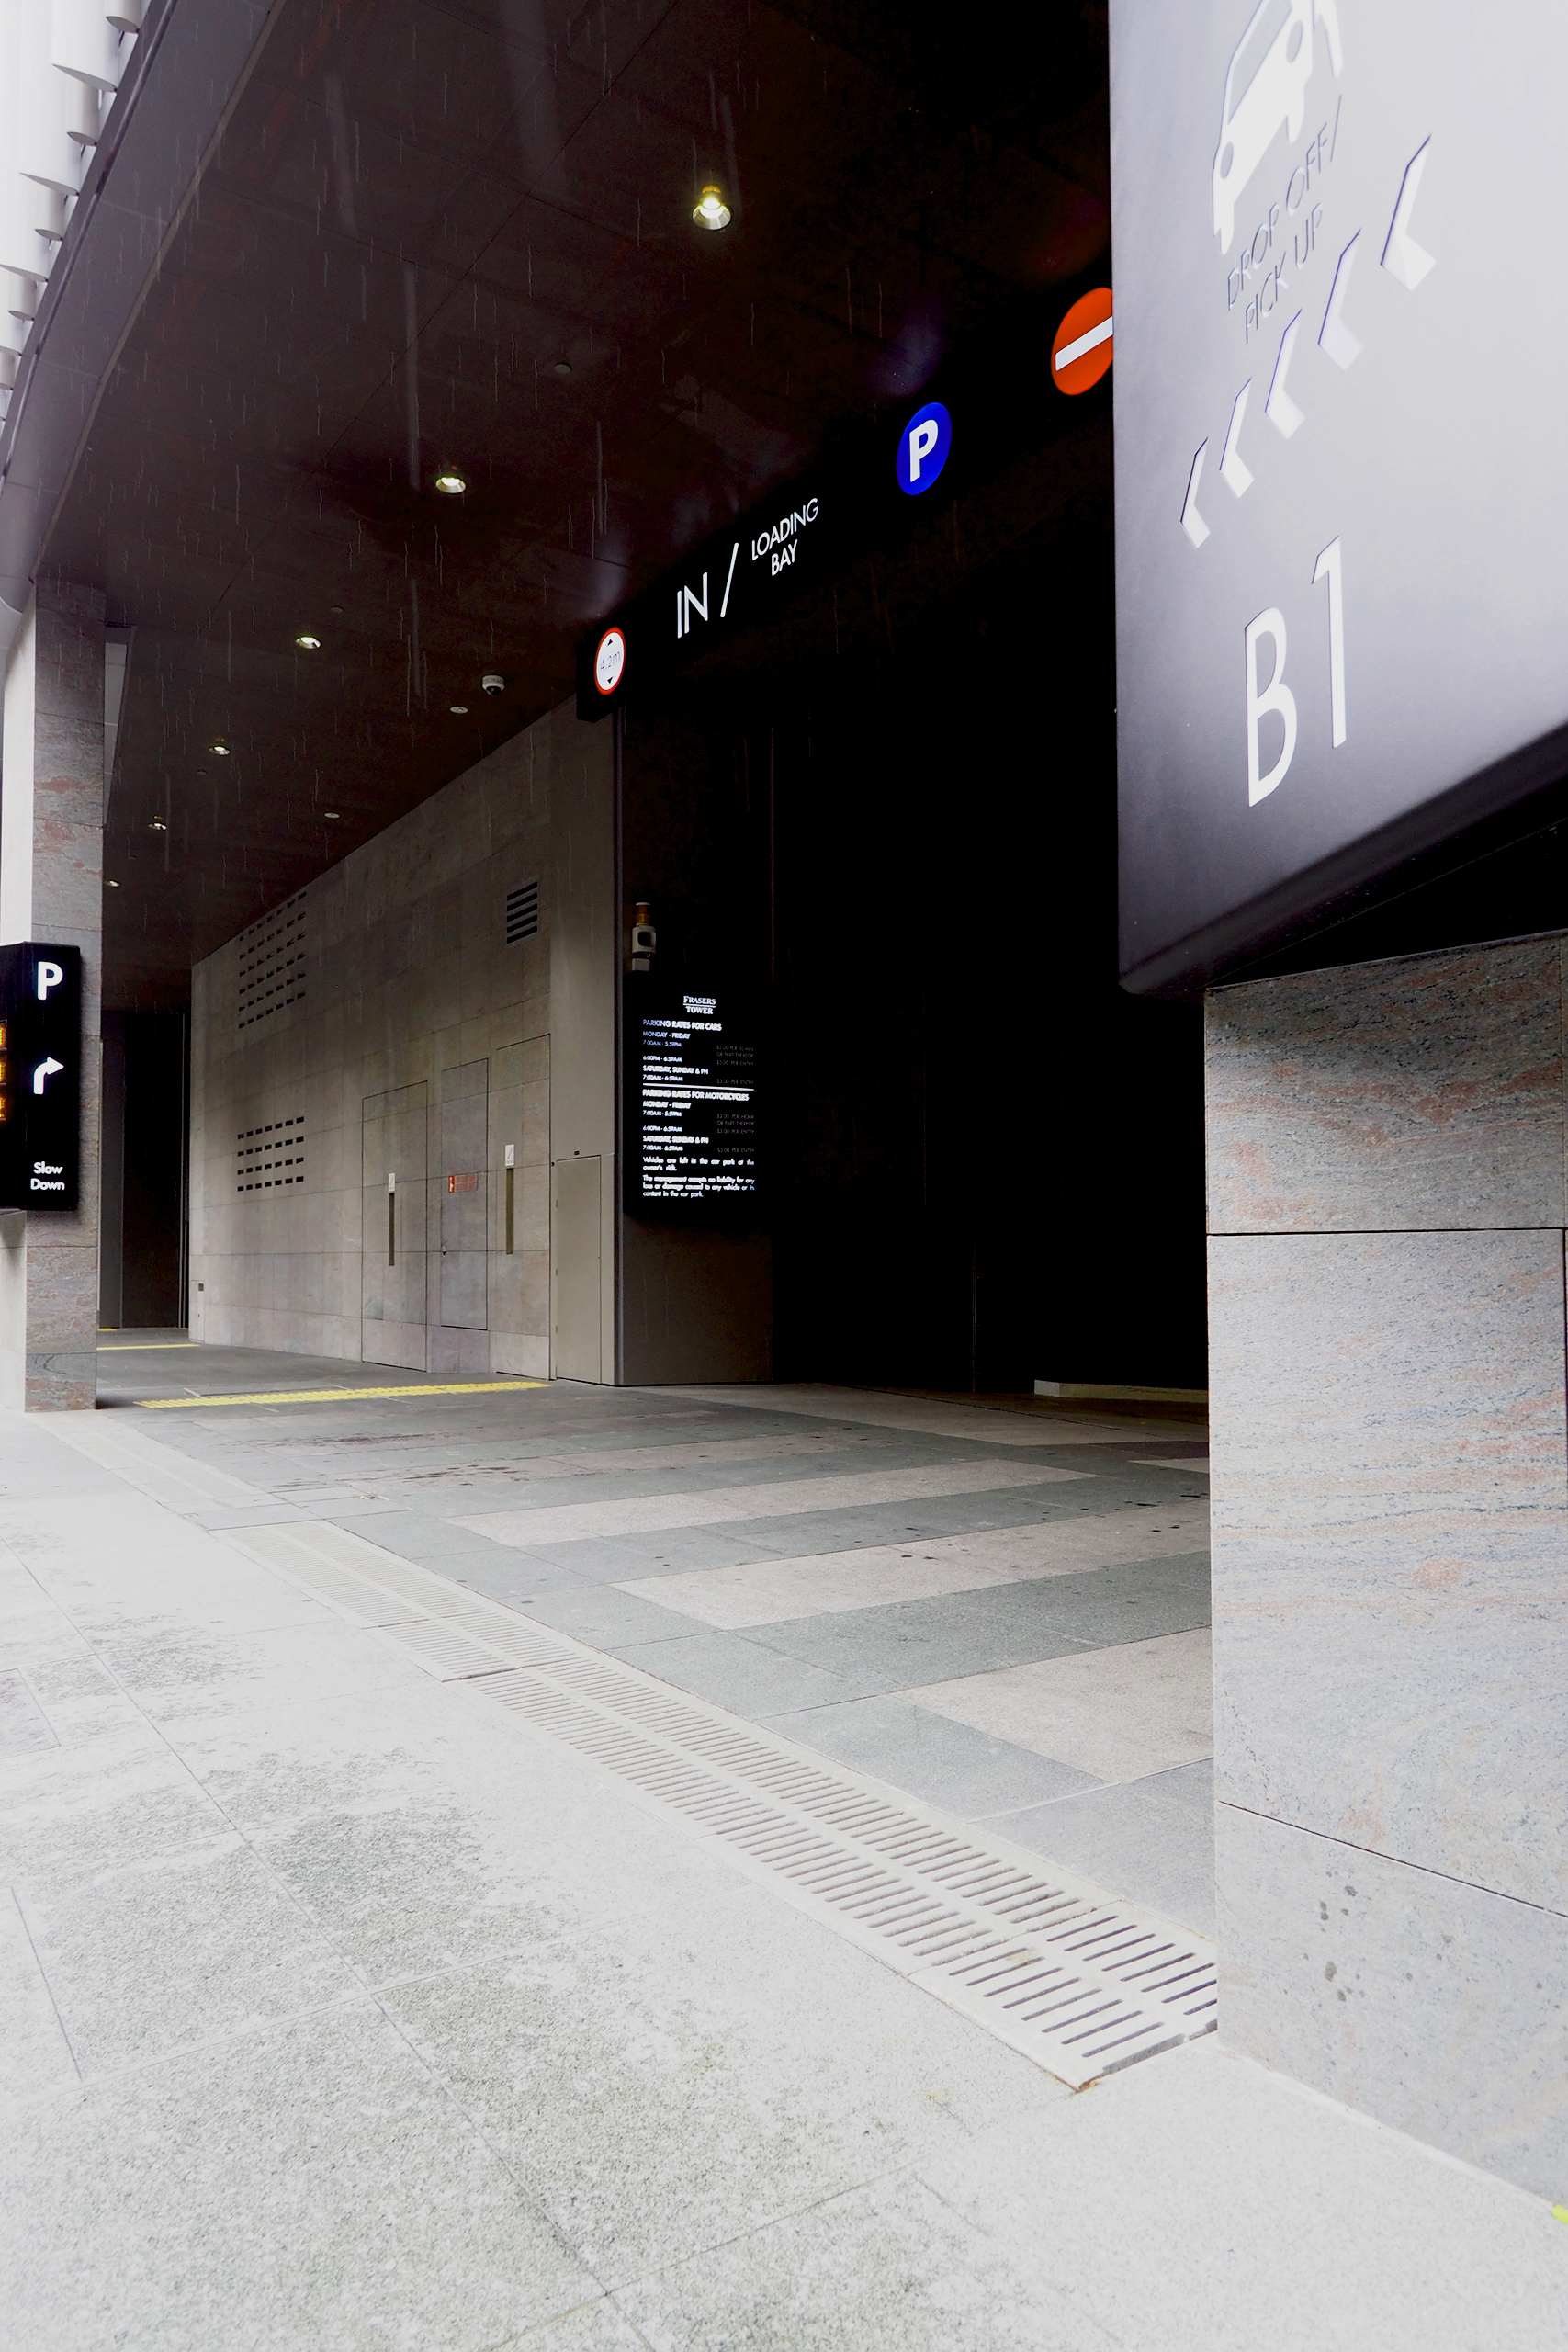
{"x": 187, "y": 71}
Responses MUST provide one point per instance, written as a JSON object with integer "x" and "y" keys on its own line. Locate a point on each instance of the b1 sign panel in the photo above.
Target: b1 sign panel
{"x": 1341, "y": 466}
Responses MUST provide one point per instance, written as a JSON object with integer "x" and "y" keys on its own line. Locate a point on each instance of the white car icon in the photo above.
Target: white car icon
{"x": 1262, "y": 93}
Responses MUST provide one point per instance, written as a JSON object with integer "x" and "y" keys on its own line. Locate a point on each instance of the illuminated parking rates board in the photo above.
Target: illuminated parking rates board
{"x": 692, "y": 1070}
{"x": 40, "y": 1076}
{"x": 1341, "y": 469}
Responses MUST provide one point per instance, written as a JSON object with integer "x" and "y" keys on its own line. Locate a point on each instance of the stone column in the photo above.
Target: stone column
{"x": 52, "y": 868}
{"x": 1387, "y": 1210}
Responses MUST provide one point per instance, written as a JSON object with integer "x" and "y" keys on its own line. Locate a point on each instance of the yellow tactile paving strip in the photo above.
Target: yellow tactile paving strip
{"x": 334, "y": 1396}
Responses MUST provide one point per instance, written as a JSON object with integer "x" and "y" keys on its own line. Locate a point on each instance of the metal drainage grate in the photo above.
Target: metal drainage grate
{"x": 1050, "y": 1964}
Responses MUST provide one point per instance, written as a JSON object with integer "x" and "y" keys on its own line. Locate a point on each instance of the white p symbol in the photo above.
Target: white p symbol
{"x": 46, "y": 1069}
{"x": 48, "y": 977}
{"x": 922, "y": 441}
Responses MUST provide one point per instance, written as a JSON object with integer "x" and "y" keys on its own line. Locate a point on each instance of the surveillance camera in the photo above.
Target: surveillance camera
{"x": 492, "y": 683}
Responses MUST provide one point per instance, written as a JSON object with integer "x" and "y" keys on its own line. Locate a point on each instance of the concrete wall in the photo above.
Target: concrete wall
{"x": 408, "y": 982}
{"x": 1387, "y": 1207}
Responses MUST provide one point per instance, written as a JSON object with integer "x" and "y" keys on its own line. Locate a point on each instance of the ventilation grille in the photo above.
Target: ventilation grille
{"x": 521, "y": 911}
{"x": 272, "y": 963}
{"x": 1048, "y": 1963}
{"x": 266, "y": 1157}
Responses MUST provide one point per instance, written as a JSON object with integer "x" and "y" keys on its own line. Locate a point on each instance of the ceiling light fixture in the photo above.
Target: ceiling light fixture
{"x": 221, "y": 750}
{"x": 108, "y": 885}
{"x": 563, "y": 367}
{"x": 710, "y": 211}
{"x": 157, "y": 826}
{"x": 331, "y": 815}
{"x": 306, "y": 643}
{"x": 459, "y": 710}
{"x": 453, "y": 484}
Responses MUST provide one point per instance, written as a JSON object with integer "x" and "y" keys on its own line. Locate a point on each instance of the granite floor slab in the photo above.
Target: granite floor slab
{"x": 1024, "y": 1422}
{"x": 561, "y": 1522}
{"x": 1117, "y": 1714}
{"x": 773, "y": 1591}
{"x": 1148, "y": 1841}
{"x": 947, "y": 1763}
{"x": 588, "y": 2087}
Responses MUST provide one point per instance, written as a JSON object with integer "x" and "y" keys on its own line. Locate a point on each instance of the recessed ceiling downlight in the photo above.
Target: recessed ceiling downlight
{"x": 306, "y": 643}
{"x": 710, "y": 211}
{"x": 452, "y": 484}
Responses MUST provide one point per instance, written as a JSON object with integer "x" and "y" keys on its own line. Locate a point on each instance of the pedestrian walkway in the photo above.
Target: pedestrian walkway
{"x": 346, "y": 2006}
{"x": 1001, "y": 1610}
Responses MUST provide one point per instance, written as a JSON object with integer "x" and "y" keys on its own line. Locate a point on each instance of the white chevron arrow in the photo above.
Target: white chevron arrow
{"x": 1402, "y": 256}
{"x": 1334, "y": 336}
{"x": 1192, "y": 523}
{"x": 1235, "y": 471}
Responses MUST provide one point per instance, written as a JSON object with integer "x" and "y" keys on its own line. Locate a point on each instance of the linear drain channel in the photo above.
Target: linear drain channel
{"x": 1050, "y": 1964}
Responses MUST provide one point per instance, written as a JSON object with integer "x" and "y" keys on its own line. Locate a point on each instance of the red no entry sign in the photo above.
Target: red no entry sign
{"x": 1081, "y": 353}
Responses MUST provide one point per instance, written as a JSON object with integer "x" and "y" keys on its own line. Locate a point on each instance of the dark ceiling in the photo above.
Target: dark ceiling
{"x": 449, "y": 235}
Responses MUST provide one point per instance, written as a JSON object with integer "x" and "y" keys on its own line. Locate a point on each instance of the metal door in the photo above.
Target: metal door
{"x": 574, "y": 1231}
{"x": 392, "y": 1257}
{"x": 463, "y": 1182}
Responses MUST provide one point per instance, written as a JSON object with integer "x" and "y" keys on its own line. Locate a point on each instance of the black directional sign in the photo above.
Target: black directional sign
{"x": 40, "y": 1076}
{"x": 727, "y": 583}
{"x": 880, "y": 477}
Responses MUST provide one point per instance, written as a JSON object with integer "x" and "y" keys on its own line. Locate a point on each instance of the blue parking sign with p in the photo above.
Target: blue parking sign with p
{"x": 922, "y": 448}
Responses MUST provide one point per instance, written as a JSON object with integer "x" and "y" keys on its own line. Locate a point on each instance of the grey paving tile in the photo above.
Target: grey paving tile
{"x": 887, "y": 2267}
{"x": 913, "y": 1642}
{"x": 450, "y": 1551}
{"x": 307, "y": 2185}
{"x": 949, "y": 1764}
{"x": 696, "y": 1478}
{"x": 669, "y": 2081}
{"x": 607, "y": 1617}
{"x": 1189, "y": 1787}
{"x": 737, "y": 1672}
{"x": 1105, "y": 1606}
{"x": 1133, "y": 1841}
{"x": 623, "y": 1559}
{"x": 153, "y": 1923}
{"x": 517, "y": 1586}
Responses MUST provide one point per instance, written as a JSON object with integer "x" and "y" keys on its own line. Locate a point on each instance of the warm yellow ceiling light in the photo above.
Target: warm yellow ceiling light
{"x": 306, "y": 643}
{"x": 710, "y": 211}
{"x": 221, "y": 751}
{"x": 453, "y": 484}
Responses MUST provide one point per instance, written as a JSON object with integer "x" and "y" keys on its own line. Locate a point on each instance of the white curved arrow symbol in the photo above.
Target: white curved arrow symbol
{"x": 1402, "y": 256}
{"x": 45, "y": 1069}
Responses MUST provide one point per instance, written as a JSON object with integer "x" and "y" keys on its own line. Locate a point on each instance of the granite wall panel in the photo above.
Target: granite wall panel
{"x": 1435, "y": 2006}
{"x": 1389, "y": 1406}
{"x": 1422, "y": 1093}
{"x": 1390, "y": 1467}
